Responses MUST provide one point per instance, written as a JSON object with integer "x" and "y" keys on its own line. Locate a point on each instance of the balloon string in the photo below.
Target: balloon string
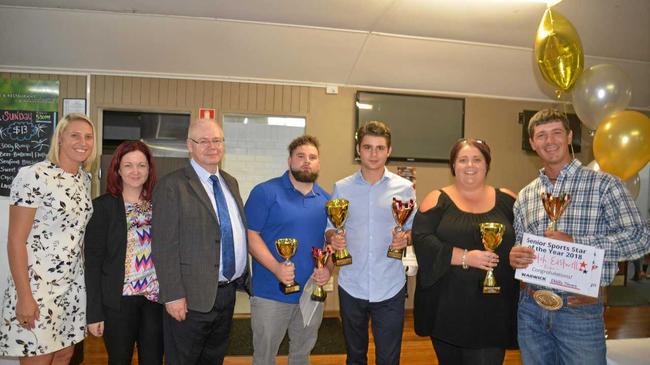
{"x": 566, "y": 115}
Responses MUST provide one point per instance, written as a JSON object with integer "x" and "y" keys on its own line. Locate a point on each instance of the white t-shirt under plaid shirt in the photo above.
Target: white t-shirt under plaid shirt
{"x": 601, "y": 214}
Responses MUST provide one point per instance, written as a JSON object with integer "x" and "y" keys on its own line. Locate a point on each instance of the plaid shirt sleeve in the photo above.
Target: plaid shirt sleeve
{"x": 626, "y": 236}
{"x": 518, "y": 223}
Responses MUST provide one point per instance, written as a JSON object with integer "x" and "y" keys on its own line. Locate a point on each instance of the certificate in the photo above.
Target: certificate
{"x": 74, "y": 106}
{"x": 561, "y": 265}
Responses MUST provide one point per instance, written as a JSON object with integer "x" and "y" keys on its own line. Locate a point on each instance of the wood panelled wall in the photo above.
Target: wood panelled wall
{"x": 179, "y": 95}
{"x": 70, "y": 86}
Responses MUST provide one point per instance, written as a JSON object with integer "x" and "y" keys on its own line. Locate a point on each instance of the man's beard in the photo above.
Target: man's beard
{"x": 303, "y": 176}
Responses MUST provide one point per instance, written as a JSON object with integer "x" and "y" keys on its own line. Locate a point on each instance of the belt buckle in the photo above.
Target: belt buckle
{"x": 547, "y": 300}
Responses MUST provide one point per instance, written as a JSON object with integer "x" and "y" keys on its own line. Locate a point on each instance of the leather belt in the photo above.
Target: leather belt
{"x": 552, "y": 301}
{"x": 223, "y": 284}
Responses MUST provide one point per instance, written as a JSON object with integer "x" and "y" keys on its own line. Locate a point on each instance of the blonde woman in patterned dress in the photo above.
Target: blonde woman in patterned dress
{"x": 44, "y": 307}
{"x": 120, "y": 274}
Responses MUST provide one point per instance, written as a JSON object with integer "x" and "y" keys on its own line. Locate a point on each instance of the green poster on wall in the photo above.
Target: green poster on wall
{"x": 28, "y": 110}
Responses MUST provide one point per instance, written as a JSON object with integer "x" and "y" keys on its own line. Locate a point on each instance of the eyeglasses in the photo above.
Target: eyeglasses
{"x": 205, "y": 143}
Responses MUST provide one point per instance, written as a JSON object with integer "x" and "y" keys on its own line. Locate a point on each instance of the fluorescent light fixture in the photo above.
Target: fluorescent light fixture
{"x": 43, "y": 89}
{"x": 286, "y": 122}
{"x": 364, "y": 106}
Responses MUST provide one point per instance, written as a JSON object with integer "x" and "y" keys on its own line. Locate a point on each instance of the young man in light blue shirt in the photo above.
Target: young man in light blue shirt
{"x": 373, "y": 286}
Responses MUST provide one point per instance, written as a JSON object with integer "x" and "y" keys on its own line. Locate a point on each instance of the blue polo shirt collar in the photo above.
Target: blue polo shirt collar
{"x": 286, "y": 182}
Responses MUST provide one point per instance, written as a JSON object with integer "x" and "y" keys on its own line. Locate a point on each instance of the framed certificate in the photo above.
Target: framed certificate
{"x": 74, "y": 106}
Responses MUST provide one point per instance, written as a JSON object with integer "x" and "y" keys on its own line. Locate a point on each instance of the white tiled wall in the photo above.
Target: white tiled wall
{"x": 256, "y": 152}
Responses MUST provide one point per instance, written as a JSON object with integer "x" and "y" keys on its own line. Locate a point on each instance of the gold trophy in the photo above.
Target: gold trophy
{"x": 401, "y": 212}
{"x": 320, "y": 259}
{"x": 555, "y": 206}
{"x": 337, "y": 211}
{"x": 491, "y": 235}
{"x": 286, "y": 248}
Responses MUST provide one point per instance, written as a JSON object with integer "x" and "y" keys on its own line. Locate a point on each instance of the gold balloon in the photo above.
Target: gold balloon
{"x": 622, "y": 143}
{"x": 558, "y": 50}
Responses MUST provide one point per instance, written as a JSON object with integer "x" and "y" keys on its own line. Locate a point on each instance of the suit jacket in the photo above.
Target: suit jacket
{"x": 186, "y": 239}
{"x": 105, "y": 253}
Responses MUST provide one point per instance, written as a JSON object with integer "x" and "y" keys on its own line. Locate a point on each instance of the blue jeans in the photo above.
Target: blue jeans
{"x": 570, "y": 335}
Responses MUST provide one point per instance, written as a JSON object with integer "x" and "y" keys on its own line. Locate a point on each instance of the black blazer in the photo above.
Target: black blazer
{"x": 105, "y": 253}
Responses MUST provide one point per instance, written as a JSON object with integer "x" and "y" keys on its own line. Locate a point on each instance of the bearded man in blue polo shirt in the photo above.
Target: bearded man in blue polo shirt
{"x": 289, "y": 206}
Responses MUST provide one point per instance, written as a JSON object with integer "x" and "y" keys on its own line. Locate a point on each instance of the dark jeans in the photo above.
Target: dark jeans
{"x": 139, "y": 321}
{"x": 387, "y": 327}
{"x": 449, "y": 354}
{"x": 202, "y": 338}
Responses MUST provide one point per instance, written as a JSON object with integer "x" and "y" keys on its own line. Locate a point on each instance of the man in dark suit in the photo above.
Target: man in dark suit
{"x": 199, "y": 244}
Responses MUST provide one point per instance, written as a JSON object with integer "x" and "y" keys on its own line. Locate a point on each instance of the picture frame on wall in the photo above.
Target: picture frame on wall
{"x": 73, "y": 105}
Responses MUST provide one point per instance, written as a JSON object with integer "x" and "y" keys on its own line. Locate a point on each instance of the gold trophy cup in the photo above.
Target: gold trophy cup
{"x": 401, "y": 212}
{"x": 337, "y": 211}
{"x": 320, "y": 258}
{"x": 555, "y": 206}
{"x": 491, "y": 236}
{"x": 286, "y": 248}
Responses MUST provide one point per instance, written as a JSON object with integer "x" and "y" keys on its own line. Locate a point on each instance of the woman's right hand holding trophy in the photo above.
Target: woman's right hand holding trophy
{"x": 481, "y": 259}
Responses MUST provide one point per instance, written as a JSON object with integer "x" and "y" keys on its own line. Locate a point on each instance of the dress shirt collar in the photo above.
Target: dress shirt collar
{"x": 568, "y": 170}
{"x": 204, "y": 175}
{"x": 359, "y": 179}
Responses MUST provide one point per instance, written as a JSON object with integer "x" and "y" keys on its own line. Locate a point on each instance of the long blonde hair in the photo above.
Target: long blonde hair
{"x": 53, "y": 153}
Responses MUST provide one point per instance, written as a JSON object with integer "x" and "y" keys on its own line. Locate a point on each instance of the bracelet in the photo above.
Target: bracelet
{"x": 462, "y": 260}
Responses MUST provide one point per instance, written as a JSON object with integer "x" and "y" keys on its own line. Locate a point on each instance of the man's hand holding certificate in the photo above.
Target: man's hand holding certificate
{"x": 563, "y": 265}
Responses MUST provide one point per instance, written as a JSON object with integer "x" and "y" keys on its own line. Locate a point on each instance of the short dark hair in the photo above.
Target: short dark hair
{"x": 114, "y": 180}
{"x": 547, "y": 115}
{"x": 303, "y": 140}
{"x": 373, "y": 128}
{"x": 480, "y": 144}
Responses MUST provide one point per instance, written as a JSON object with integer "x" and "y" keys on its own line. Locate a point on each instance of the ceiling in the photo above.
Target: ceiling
{"x": 467, "y": 47}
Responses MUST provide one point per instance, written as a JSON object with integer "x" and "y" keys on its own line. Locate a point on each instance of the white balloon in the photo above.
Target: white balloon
{"x": 593, "y": 165}
{"x": 600, "y": 91}
{"x": 633, "y": 185}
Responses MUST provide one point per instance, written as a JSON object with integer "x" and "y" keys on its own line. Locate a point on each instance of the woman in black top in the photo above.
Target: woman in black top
{"x": 466, "y": 326}
{"x": 121, "y": 281}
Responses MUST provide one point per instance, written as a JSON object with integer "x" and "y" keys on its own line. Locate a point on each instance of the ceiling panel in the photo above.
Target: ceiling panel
{"x": 479, "y": 49}
{"x": 105, "y": 41}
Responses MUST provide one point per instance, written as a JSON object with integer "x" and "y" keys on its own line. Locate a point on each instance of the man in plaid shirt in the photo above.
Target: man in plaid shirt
{"x": 601, "y": 214}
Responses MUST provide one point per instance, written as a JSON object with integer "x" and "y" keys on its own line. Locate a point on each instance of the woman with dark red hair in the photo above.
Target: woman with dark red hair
{"x": 121, "y": 282}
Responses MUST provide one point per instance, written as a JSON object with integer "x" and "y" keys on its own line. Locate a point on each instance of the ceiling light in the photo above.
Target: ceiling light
{"x": 364, "y": 106}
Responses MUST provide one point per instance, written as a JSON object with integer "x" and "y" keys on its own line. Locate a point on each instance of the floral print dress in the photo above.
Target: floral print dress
{"x": 55, "y": 264}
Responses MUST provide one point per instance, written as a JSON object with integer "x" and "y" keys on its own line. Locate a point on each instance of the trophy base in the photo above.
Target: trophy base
{"x": 289, "y": 289}
{"x": 396, "y": 254}
{"x": 342, "y": 261}
{"x": 491, "y": 290}
{"x": 319, "y": 297}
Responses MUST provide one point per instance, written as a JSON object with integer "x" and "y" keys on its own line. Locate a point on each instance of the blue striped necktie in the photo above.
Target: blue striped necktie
{"x": 227, "y": 242}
